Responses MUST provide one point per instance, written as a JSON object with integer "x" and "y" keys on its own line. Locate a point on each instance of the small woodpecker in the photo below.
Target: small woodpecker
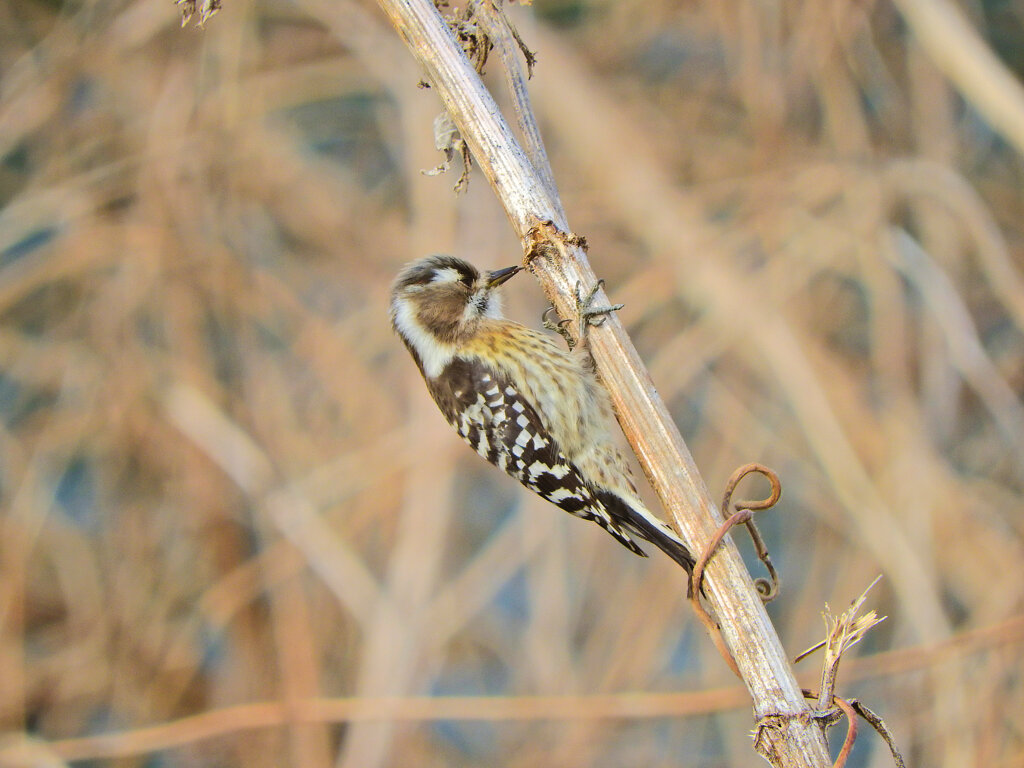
{"x": 533, "y": 410}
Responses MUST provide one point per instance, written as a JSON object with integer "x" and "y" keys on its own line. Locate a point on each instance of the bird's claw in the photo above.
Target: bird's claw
{"x": 587, "y": 313}
{"x": 559, "y": 327}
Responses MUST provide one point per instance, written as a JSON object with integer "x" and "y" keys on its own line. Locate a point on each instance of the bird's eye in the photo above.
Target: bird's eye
{"x": 466, "y": 280}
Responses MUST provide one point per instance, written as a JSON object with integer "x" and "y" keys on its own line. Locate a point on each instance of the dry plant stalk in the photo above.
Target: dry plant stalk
{"x": 205, "y": 9}
{"x": 559, "y": 262}
{"x": 842, "y": 633}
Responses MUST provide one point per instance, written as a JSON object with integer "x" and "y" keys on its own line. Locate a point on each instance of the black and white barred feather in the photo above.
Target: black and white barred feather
{"x": 496, "y": 420}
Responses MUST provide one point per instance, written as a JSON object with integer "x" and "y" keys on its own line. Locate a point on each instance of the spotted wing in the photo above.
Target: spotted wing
{"x": 490, "y": 414}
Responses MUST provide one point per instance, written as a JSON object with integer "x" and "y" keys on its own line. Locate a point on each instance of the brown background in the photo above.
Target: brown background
{"x": 224, "y": 486}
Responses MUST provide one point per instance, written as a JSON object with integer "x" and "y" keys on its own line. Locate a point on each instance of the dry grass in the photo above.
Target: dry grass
{"x": 235, "y": 530}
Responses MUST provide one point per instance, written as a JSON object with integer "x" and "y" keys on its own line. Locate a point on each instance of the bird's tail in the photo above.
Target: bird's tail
{"x": 646, "y": 525}
{"x": 665, "y": 539}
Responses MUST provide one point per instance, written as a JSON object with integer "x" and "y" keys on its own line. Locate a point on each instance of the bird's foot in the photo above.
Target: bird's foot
{"x": 561, "y": 327}
{"x": 589, "y": 315}
{"x": 586, "y": 315}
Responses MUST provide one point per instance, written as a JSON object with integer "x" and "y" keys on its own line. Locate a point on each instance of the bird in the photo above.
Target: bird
{"x": 530, "y": 408}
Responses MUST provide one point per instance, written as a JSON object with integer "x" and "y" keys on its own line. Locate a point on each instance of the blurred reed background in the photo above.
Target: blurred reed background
{"x": 231, "y": 511}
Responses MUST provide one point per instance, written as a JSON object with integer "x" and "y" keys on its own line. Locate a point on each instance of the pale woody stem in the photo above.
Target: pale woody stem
{"x": 788, "y": 739}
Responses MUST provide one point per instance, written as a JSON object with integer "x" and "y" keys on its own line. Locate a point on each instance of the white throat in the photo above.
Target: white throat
{"x": 493, "y": 307}
{"x": 435, "y": 355}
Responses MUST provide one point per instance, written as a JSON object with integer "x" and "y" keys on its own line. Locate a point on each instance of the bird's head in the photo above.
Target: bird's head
{"x": 439, "y": 301}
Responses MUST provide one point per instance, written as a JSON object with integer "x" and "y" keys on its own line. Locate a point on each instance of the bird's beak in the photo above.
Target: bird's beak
{"x": 499, "y": 276}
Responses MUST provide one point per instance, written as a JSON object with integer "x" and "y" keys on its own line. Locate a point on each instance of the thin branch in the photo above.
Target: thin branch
{"x": 851, "y": 732}
{"x": 844, "y": 632}
{"x": 883, "y": 730}
{"x": 510, "y": 47}
{"x": 791, "y": 739}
